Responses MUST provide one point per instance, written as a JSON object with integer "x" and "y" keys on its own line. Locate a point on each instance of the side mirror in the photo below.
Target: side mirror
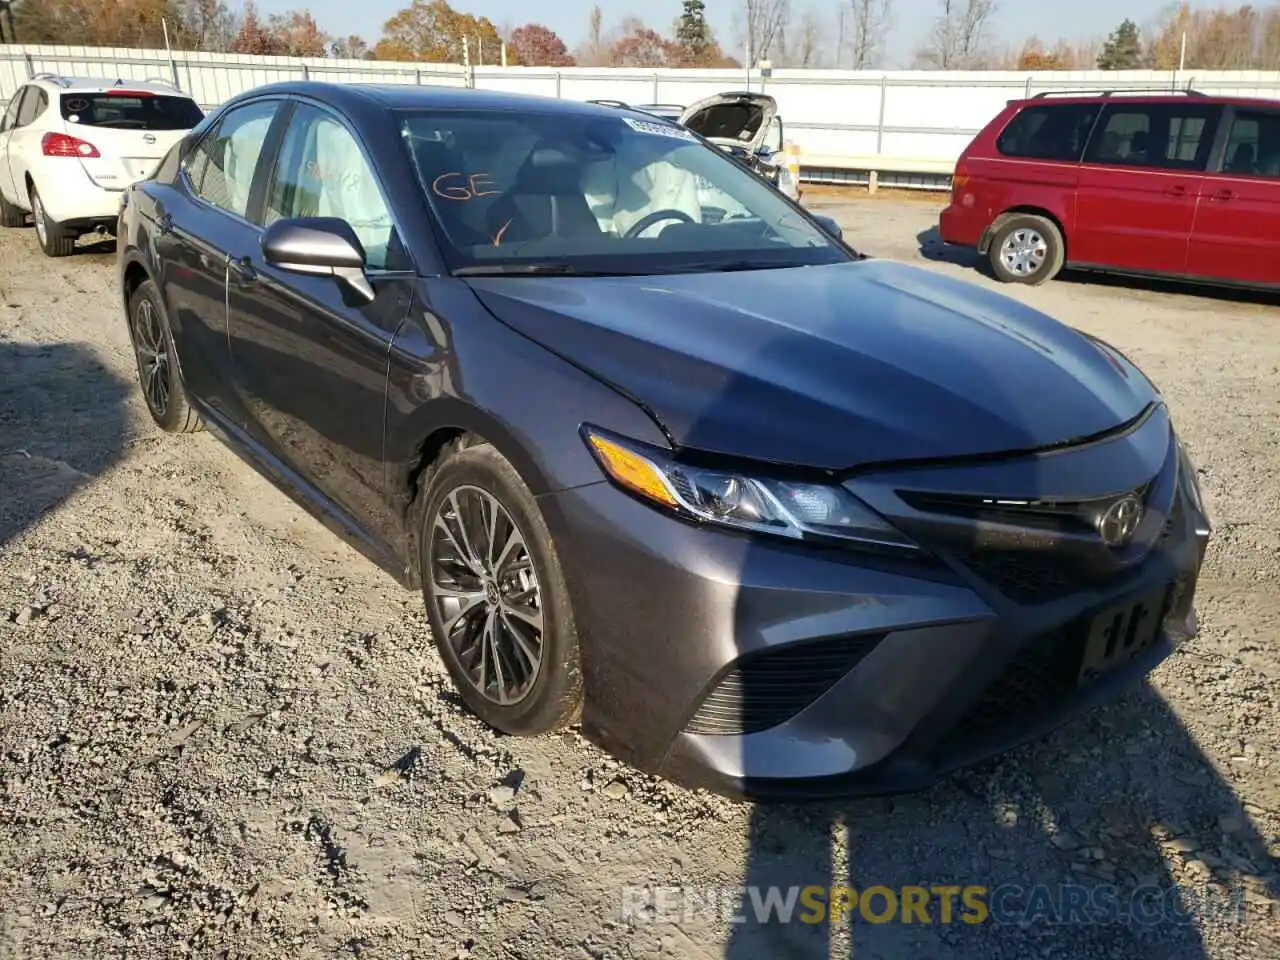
{"x": 828, "y": 224}
{"x": 319, "y": 245}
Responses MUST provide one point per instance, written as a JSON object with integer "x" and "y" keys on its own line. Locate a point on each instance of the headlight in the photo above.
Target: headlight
{"x": 799, "y": 511}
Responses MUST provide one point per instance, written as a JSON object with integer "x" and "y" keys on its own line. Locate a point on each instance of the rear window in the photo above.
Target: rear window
{"x": 1056, "y": 132}
{"x": 131, "y": 111}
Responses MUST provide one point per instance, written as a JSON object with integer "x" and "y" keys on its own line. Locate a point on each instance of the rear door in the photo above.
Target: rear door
{"x": 1237, "y": 224}
{"x": 7, "y": 124}
{"x": 197, "y": 229}
{"x": 1139, "y": 184}
{"x": 24, "y": 143}
{"x": 131, "y": 129}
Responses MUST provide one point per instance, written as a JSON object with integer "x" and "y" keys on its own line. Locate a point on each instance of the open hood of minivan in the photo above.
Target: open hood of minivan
{"x": 736, "y": 119}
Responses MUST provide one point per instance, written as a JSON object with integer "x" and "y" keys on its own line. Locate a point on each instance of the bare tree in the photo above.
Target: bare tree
{"x": 594, "y": 49}
{"x": 866, "y": 25}
{"x": 957, "y": 40}
{"x": 762, "y": 27}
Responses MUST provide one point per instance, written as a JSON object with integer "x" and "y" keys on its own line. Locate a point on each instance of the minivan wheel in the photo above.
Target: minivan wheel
{"x": 157, "y": 363}
{"x": 496, "y": 596}
{"x": 1026, "y": 248}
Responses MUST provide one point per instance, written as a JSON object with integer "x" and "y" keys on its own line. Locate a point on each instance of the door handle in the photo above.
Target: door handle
{"x": 1223, "y": 194}
{"x": 1176, "y": 191}
{"x": 243, "y": 269}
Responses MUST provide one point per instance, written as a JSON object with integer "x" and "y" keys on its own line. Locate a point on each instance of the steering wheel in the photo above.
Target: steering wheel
{"x": 649, "y": 219}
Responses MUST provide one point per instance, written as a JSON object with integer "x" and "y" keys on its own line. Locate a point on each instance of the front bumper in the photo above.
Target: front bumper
{"x": 759, "y": 669}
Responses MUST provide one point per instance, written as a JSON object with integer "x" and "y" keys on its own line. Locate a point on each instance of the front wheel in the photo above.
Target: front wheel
{"x": 1026, "y": 248}
{"x": 496, "y": 596}
{"x": 158, "y": 363}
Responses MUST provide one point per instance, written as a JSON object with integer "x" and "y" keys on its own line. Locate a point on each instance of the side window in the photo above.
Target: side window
{"x": 1172, "y": 136}
{"x": 1253, "y": 145}
{"x": 221, "y": 167}
{"x": 1055, "y": 132}
{"x": 15, "y": 107}
{"x": 32, "y": 105}
{"x": 323, "y": 172}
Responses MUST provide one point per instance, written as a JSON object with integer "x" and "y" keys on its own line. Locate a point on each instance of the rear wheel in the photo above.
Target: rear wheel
{"x": 11, "y": 215}
{"x": 496, "y": 596}
{"x": 157, "y": 363}
{"x": 54, "y": 239}
{"x": 1026, "y": 248}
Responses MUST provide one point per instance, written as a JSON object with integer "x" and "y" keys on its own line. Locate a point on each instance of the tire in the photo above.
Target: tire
{"x": 1026, "y": 248}
{"x": 11, "y": 215}
{"x": 54, "y": 240}
{"x": 540, "y": 698}
{"x": 158, "y": 375}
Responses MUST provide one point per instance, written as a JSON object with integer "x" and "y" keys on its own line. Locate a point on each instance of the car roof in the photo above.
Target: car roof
{"x": 65, "y": 84}
{"x": 354, "y": 96}
{"x": 1126, "y": 96}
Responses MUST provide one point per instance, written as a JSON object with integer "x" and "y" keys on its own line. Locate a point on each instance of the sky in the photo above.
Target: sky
{"x": 1077, "y": 19}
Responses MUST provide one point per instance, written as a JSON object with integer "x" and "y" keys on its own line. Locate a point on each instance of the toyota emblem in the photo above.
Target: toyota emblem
{"x": 148, "y": 138}
{"x": 1120, "y": 521}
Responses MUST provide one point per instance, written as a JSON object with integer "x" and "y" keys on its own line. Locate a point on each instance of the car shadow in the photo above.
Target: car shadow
{"x": 62, "y": 424}
{"x": 932, "y": 248}
{"x": 1093, "y": 815}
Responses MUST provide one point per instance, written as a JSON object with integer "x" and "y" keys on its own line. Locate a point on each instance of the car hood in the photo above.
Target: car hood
{"x": 830, "y": 366}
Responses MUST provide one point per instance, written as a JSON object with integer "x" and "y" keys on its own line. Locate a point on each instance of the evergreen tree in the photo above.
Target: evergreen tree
{"x": 692, "y": 32}
{"x": 1123, "y": 49}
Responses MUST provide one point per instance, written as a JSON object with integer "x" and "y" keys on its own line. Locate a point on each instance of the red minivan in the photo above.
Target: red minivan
{"x": 1174, "y": 184}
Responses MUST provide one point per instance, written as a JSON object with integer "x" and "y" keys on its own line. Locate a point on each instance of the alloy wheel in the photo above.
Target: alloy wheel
{"x": 37, "y": 214}
{"x": 1023, "y": 252}
{"x": 153, "y": 357}
{"x": 486, "y": 594}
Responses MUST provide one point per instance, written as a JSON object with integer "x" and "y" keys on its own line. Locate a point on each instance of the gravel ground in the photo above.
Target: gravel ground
{"x": 224, "y": 734}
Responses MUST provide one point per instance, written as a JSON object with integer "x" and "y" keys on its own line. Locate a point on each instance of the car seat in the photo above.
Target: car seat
{"x": 546, "y": 200}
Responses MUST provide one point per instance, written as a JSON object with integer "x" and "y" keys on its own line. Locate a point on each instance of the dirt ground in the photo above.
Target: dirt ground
{"x": 224, "y": 734}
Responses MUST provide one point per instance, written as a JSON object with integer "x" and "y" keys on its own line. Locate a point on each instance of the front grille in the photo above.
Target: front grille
{"x": 765, "y": 689}
{"x": 1045, "y": 672}
{"x": 1039, "y": 676}
{"x": 1022, "y": 577}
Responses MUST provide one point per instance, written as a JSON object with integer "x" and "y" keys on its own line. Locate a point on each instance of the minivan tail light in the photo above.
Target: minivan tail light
{"x": 64, "y": 145}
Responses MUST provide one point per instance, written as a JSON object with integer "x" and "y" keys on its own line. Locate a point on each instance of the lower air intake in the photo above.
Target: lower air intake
{"x": 765, "y": 689}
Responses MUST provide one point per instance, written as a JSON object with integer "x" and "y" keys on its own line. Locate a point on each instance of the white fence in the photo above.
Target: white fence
{"x": 910, "y": 123}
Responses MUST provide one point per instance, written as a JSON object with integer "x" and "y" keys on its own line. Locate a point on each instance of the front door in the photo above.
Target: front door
{"x": 1237, "y": 226}
{"x": 310, "y": 359}
{"x": 1139, "y": 184}
{"x": 198, "y": 228}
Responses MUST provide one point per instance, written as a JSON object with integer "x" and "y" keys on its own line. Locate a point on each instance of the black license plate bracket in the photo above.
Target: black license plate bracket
{"x": 1120, "y": 633}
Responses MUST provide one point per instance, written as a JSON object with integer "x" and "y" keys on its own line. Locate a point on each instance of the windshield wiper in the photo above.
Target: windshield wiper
{"x": 729, "y": 266}
{"x": 539, "y": 270}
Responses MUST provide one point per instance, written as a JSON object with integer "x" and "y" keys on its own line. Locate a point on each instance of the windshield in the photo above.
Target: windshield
{"x": 599, "y": 193}
{"x": 131, "y": 111}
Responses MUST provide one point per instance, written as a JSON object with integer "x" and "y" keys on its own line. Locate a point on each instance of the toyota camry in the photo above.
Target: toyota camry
{"x": 666, "y": 457}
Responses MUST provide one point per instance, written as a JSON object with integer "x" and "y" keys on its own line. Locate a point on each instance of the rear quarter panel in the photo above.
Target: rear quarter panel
{"x": 993, "y": 184}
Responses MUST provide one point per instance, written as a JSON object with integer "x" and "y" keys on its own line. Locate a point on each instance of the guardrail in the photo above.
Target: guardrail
{"x": 879, "y": 128}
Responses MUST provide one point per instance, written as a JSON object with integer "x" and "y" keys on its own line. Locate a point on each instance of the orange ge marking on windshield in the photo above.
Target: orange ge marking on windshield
{"x": 460, "y": 186}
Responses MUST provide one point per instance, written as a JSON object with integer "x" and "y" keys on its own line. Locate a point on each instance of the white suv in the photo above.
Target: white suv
{"x": 69, "y": 147}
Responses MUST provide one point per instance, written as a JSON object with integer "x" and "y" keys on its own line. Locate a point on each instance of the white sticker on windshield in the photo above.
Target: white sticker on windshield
{"x": 659, "y": 129}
